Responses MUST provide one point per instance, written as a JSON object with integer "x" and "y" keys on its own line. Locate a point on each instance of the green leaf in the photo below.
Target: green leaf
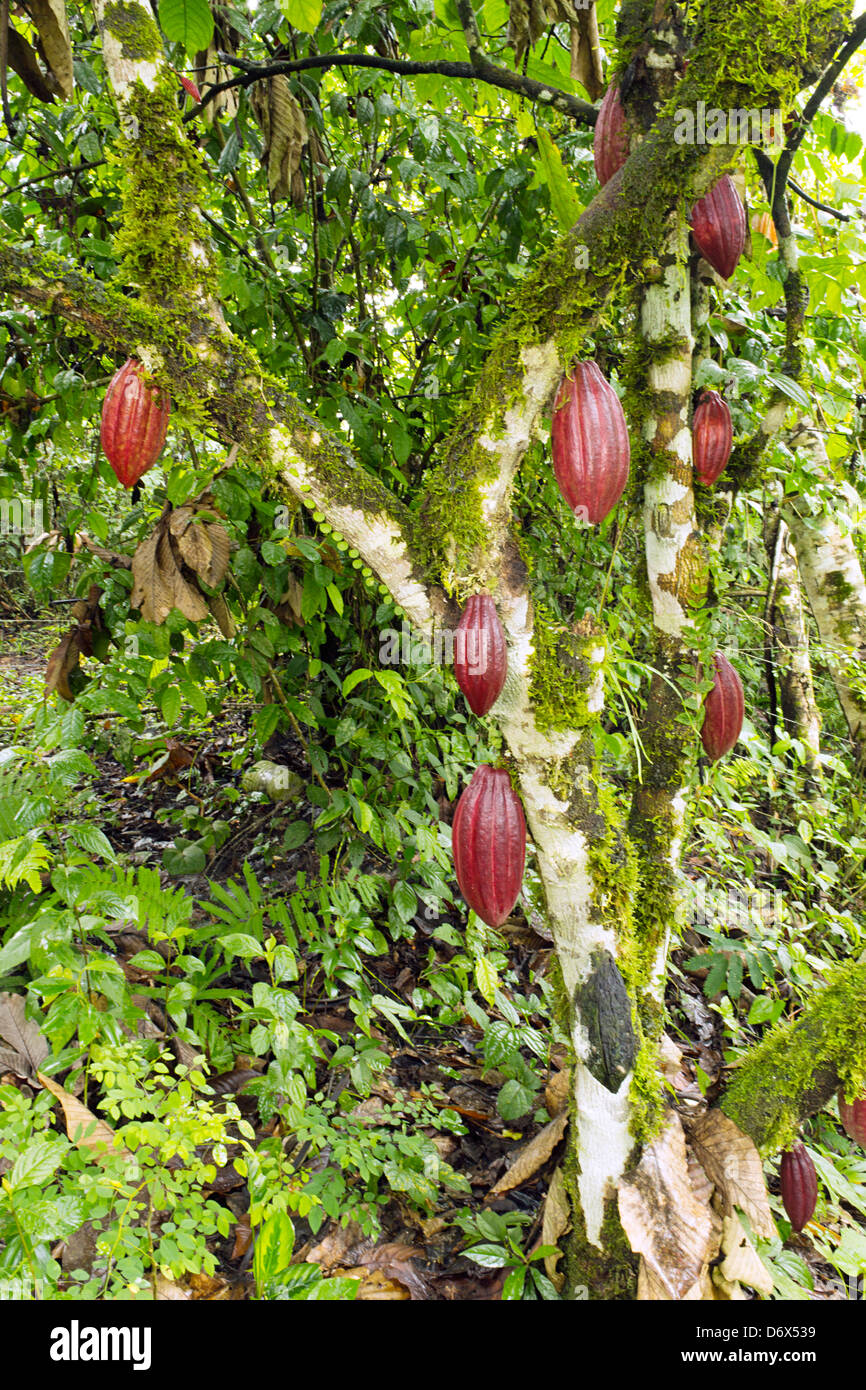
{"x": 353, "y": 679}
{"x": 40, "y": 1159}
{"x": 242, "y": 945}
{"x": 514, "y": 1100}
{"x": 189, "y": 22}
{"x": 488, "y": 1256}
{"x": 274, "y": 1245}
{"x": 92, "y": 840}
{"x": 762, "y": 1009}
{"x": 495, "y": 14}
{"x": 487, "y": 979}
{"x": 564, "y": 198}
{"x": 303, "y": 14}
{"x": 512, "y": 1289}
{"x": 169, "y": 703}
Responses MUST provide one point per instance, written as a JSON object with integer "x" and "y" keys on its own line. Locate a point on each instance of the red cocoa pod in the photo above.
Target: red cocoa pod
{"x": 799, "y": 1186}
{"x": 719, "y": 226}
{"x": 610, "y": 148}
{"x": 134, "y": 423}
{"x": 724, "y": 708}
{"x": 853, "y": 1118}
{"x": 590, "y": 443}
{"x": 480, "y": 654}
{"x": 488, "y": 840}
{"x": 712, "y": 437}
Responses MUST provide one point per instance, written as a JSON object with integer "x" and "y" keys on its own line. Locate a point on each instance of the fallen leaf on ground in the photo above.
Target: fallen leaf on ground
{"x": 664, "y": 1220}
{"x": 532, "y": 1156}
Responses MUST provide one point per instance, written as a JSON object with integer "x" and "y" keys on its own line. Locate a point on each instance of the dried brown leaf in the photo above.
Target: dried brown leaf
{"x": 662, "y": 1217}
{"x": 22, "y": 59}
{"x": 61, "y": 663}
{"x": 49, "y": 17}
{"x": 100, "y": 1141}
{"x": 557, "y": 1090}
{"x": 557, "y": 1219}
{"x": 742, "y": 1264}
{"x": 220, "y": 546}
{"x": 22, "y": 1034}
{"x": 731, "y": 1161}
{"x": 532, "y": 1156}
{"x": 221, "y": 614}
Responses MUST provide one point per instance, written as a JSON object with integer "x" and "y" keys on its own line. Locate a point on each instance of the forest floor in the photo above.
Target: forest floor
{"x": 507, "y": 1166}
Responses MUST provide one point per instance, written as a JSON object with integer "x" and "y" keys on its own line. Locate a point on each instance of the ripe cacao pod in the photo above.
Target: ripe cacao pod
{"x": 853, "y": 1119}
{"x": 590, "y": 443}
{"x": 610, "y": 148}
{"x": 480, "y": 654}
{"x": 134, "y": 423}
{"x": 712, "y": 437}
{"x": 719, "y": 226}
{"x": 488, "y": 840}
{"x": 724, "y": 708}
{"x": 799, "y": 1186}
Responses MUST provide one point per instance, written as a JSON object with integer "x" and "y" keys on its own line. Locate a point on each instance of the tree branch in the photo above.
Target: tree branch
{"x": 481, "y": 70}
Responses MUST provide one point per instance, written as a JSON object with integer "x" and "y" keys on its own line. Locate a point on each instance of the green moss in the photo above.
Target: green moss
{"x": 787, "y": 1076}
{"x": 163, "y": 182}
{"x": 134, "y": 29}
{"x": 763, "y": 48}
{"x": 562, "y": 672}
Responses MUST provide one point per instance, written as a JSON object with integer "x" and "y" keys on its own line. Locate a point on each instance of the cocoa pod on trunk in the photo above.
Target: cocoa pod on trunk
{"x": 799, "y": 1186}
{"x": 488, "y": 840}
{"x": 853, "y": 1118}
{"x": 718, "y": 223}
{"x": 610, "y": 148}
{"x": 480, "y": 654}
{"x": 712, "y": 437}
{"x": 724, "y": 708}
{"x": 134, "y": 423}
{"x": 590, "y": 443}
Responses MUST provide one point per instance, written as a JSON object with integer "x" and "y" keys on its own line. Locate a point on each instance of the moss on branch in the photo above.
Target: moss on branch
{"x": 797, "y": 1067}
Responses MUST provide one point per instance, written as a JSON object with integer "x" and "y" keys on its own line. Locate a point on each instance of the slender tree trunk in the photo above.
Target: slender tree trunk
{"x": 834, "y": 581}
{"x": 788, "y": 642}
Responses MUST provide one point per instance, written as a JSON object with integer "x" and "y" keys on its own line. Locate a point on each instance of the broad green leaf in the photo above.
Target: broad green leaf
{"x": 564, "y": 198}
{"x": 37, "y": 1163}
{"x": 302, "y": 14}
{"x": 189, "y": 22}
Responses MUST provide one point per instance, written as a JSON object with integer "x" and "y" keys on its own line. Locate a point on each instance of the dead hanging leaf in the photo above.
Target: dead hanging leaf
{"x": 61, "y": 663}
{"x": 741, "y": 1264}
{"x": 186, "y": 547}
{"x": 204, "y": 544}
{"x": 208, "y": 71}
{"x": 731, "y": 1161}
{"x": 663, "y": 1219}
{"x": 22, "y": 59}
{"x": 585, "y": 45}
{"x": 284, "y": 128}
{"x": 528, "y": 20}
{"x": 221, "y": 614}
{"x": 532, "y": 1156}
{"x": 100, "y": 1140}
{"x": 556, "y": 1222}
{"x": 50, "y": 22}
{"x": 159, "y": 586}
{"x": 29, "y": 1047}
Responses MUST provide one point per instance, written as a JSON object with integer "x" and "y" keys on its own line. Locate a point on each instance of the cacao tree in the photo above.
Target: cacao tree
{"x": 367, "y": 257}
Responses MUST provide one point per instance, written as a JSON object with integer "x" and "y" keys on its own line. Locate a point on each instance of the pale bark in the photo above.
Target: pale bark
{"x": 788, "y": 640}
{"x": 833, "y": 576}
